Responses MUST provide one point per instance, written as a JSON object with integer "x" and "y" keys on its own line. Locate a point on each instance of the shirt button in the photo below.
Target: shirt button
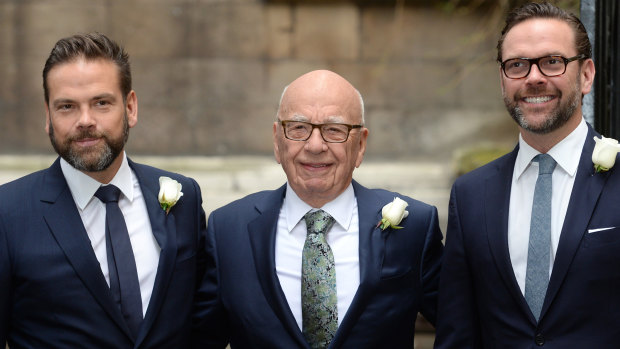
{"x": 539, "y": 340}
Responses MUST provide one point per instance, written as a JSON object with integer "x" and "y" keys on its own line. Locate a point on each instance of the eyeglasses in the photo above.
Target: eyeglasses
{"x": 518, "y": 68}
{"x": 331, "y": 133}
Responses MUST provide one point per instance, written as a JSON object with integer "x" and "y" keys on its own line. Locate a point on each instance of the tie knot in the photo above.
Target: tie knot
{"x": 108, "y": 193}
{"x": 546, "y": 164}
{"x": 318, "y": 222}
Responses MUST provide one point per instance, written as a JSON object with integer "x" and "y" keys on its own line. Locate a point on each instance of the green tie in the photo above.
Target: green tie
{"x": 319, "y": 303}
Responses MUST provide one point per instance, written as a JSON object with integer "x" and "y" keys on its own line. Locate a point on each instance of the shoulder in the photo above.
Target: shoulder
{"x": 382, "y": 197}
{"x": 152, "y": 174}
{"x": 15, "y": 189}
{"x": 479, "y": 175}
{"x": 250, "y": 203}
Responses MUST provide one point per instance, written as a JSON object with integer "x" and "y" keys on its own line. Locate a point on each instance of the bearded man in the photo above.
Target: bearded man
{"x": 533, "y": 237}
{"x": 97, "y": 251}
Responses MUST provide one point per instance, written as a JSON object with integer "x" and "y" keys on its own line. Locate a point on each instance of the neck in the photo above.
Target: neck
{"x": 544, "y": 142}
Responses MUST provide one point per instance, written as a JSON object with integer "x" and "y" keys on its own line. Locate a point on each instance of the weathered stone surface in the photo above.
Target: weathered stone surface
{"x": 228, "y": 30}
{"x": 209, "y": 73}
{"x": 328, "y": 32}
{"x": 39, "y": 24}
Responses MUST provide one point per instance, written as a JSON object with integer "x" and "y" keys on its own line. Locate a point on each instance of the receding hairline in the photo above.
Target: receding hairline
{"x": 359, "y": 95}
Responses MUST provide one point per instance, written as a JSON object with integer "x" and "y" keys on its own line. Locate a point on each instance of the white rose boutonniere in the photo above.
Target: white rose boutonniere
{"x": 604, "y": 154}
{"x": 169, "y": 193}
{"x": 393, "y": 213}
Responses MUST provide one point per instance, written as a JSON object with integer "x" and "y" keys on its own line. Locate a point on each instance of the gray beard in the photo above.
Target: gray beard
{"x": 555, "y": 120}
{"x": 111, "y": 150}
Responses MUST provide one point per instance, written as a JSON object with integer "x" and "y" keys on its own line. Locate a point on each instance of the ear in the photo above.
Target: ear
{"x": 362, "y": 146}
{"x": 501, "y": 79}
{"x": 47, "y": 118}
{"x": 587, "y": 76}
{"x": 276, "y": 146}
{"x": 131, "y": 108}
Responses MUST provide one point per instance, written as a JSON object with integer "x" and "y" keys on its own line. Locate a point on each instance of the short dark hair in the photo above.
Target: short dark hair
{"x": 90, "y": 46}
{"x": 546, "y": 10}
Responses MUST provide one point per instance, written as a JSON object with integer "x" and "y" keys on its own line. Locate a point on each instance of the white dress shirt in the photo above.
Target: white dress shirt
{"x": 92, "y": 211}
{"x": 567, "y": 154}
{"x": 343, "y": 238}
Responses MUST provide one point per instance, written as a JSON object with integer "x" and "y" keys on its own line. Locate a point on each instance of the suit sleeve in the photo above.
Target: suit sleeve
{"x": 5, "y": 285}
{"x": 431, "y": 265}
{"x": 457, "y": 325}
{"x": 201, "y": 259}
{"x": 210, "y": 324}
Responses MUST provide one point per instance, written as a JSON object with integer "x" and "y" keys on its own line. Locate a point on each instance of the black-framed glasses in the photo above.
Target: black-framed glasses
{"x": 554, "y": 65}
{"x": 331, "y": 133}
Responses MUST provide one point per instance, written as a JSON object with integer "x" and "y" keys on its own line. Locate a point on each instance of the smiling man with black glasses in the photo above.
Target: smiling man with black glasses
{"x": 308, "y": 265}
{"x": 533, "y": 238}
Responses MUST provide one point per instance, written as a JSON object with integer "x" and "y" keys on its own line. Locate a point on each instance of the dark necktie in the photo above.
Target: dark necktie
{"x": 538, "y": 254}
{"x": 124, "y": 282}
{"x": 319, "y": 302}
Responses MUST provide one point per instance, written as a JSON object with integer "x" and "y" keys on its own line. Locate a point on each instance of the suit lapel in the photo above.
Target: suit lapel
{"x": 164, "y": 230}
{"x": 262, "y": 235}
{"x": 586, "y": 191}
{"x": 371, "y": 251}
{"x": 497, "y": 204}
{"x": 66, "y": 225}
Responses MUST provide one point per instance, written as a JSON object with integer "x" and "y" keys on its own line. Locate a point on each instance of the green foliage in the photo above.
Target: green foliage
{"x": 472, "y": 158}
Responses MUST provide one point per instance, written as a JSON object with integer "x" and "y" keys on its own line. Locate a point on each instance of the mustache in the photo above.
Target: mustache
{"x": 536, "y": 90}
{"x": 86, "y": 134}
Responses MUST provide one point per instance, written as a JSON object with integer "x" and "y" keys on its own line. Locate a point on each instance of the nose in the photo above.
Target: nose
{"x": 535, "y": 76}
{"x": 85, "y": 119}
{"x": 315, "y": 144}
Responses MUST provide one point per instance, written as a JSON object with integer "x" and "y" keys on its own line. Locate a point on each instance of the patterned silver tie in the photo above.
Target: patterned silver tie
{"x": 319, "y": 301}
{"x": 538, "y": 254}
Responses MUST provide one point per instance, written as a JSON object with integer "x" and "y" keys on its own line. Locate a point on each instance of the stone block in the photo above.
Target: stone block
{"x": 242, "y": 129}
{"x": 327, "y": 32}
{"x": 8, "y": 36}
{"x": 279, "y": 31}
{"x": 409, "y": 32}
{"x": 151, "y": 30}
{"x": 40, "y": 24}
{"x": 228, "y": 30}
{"x": 480, "y": 84}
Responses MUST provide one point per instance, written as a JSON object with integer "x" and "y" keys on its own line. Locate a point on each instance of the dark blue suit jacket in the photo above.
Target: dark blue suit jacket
{"x": 480, "y": 303}
{"x": 53, "y": 293}
{"x": 241, "y": 300}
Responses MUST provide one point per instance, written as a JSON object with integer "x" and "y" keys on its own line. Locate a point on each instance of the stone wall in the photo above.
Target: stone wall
{"x": 209, "y": 73}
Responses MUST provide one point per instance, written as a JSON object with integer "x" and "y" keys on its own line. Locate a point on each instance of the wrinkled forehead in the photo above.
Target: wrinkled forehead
{"x": 325, "y": 94}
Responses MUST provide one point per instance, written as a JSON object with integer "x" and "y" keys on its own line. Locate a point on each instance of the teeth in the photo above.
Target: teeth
{"x": 537, "y": 99}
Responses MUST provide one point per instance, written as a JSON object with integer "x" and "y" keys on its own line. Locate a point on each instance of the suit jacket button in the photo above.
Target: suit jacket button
{"x": 539, "y": 340}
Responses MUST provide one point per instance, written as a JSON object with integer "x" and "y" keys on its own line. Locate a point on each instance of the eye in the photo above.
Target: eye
{"x": 552, "y": 61}
{"x": 64, "y": 107}
{"x": 102, "y": 103}
{"x": 515, "y": 64}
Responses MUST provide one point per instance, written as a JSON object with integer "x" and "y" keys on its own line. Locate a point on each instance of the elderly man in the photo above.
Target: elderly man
{"x": 533, "y": 238}
{"x": 93, "y": 253}
{"x": 312, "y": 264}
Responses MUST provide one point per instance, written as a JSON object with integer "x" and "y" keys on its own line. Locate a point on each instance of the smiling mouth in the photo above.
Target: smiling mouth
{"x": 85, "y": 142}
{"x": 317, "y": 166}
{"x": 538, "y": 99}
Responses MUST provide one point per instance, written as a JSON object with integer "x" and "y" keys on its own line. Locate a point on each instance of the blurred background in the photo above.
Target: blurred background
{"x": 209, "y": 73}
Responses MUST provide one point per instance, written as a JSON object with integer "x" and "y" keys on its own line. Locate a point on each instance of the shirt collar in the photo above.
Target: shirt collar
{"x": 341, "y": 208}
{"x": 84, "y": 187}
{"x": 563, "y": 152}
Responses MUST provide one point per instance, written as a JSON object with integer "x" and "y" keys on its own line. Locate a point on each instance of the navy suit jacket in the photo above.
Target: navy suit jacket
{"x": 480, "y": 303}
{"x": 53, "y": 293}
{"x": 241, "y": 300}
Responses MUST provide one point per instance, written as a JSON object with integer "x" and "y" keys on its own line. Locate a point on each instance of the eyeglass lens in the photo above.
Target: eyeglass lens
{"x": 549, "y": 66}
{"x": 301, "y": 131}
